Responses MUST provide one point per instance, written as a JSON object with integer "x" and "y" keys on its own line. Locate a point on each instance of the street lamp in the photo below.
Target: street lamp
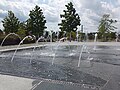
{"x": 77, "y": 36}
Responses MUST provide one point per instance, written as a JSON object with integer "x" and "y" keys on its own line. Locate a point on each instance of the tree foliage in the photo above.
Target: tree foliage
{"x": 106, "y": 27}
{"x": 70, "y": 19}
{"x": 36, "y": 22}
{"x": 22, "y": 32}
{"x": 10, "y": 23}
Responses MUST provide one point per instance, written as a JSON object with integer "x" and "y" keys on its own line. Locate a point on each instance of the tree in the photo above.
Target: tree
{"x": 1, "y": 32}
{"x": 36, "y": 22}
{"x": 22, "y": 30}
{"x": 70, "y": 19}
{"x": 10, "y": 23}
{"x": 106, "y": 27}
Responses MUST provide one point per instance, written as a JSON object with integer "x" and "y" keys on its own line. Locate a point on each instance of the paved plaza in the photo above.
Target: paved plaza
{"x": 104, "y": 66}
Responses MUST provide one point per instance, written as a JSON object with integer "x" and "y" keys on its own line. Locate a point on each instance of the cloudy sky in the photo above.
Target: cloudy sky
{"x": 90, "y": 11}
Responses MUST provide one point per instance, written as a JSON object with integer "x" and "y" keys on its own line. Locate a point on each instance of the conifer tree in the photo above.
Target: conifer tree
{"x": 10, "y": 23}
{"x": 70, "y": 19}
{"x": 36, "y": 22}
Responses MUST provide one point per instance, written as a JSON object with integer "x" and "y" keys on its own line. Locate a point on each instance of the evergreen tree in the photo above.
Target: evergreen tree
{"x": 10, "y": 23}
{"x": 106, "y": 27}
{"x": 22, "y": 32}
{"x": 70, "y": 19}
{"x": 36, "y": 22}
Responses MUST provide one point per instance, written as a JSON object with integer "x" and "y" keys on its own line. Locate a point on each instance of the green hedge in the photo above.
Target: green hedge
{"x": 10, "y": 41}
{"x": 14, "y": 41}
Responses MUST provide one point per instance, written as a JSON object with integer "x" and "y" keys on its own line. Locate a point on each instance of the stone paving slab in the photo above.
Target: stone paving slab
{"x": 113, "y": 83}
{"x": 15, "y": 83}
{"x": 56, "y": 86}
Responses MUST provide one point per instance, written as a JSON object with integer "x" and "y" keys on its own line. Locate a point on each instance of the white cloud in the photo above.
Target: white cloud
{"x": 90, "y": 11}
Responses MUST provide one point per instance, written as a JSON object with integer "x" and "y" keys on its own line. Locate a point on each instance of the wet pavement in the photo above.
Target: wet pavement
{"x": 55, "y": 86}
{"x": 113, "y": 83}
{"x": 98, "y": 69}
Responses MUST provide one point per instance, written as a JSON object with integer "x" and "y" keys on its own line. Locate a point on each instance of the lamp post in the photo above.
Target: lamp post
{"x": 81, "y": 33}
{"x": 77, "y": 36}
